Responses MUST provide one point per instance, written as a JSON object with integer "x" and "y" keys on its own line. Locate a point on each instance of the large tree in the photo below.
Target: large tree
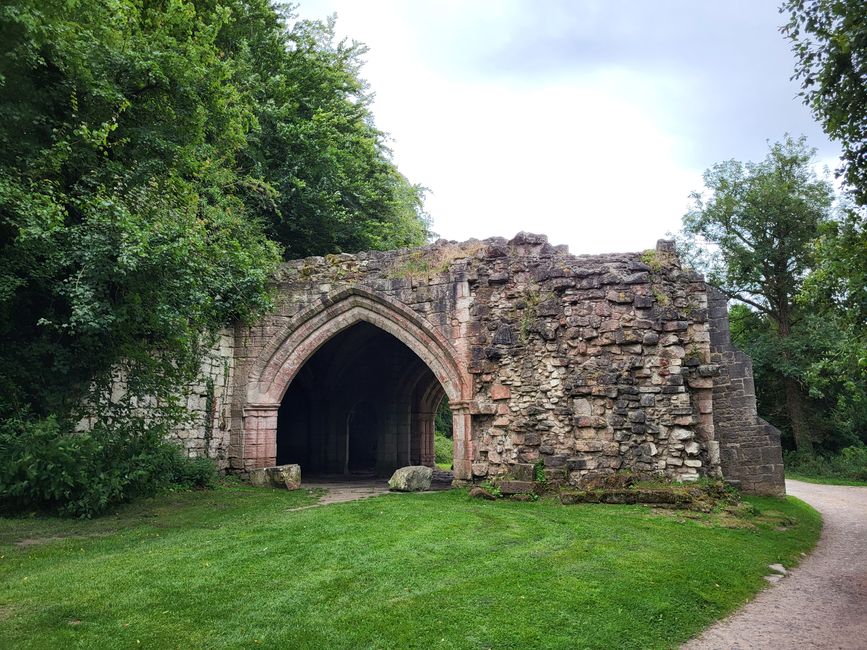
{"x": 829, "y": 39}
{"x": 147, "y": 152}
{"x": 156, "y": 158}
{"x": 122, "y": 239}
{"x": 752, "y": 232}
{"x": 326, "y": 180}
{"x": 834, "y": 302}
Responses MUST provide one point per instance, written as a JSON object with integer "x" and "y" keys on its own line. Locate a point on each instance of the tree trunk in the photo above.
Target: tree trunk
{"x": 803, "y": 441}
{"x": 794, "y": 402}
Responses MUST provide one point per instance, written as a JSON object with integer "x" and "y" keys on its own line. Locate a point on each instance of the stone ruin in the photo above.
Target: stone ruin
{"x": 579, "y": 365}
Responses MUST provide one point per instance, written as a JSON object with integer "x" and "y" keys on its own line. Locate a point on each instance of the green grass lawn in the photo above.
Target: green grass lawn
{"x": 238, "y": 567}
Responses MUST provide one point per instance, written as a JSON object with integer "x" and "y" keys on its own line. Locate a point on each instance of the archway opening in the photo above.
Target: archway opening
{"x": 362, "y": 404}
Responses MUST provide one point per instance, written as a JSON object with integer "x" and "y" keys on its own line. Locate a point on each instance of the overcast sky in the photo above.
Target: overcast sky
{"x": 587, "y": 120}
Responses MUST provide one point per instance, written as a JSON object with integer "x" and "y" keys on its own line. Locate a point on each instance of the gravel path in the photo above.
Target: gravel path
{"x": 340, "y": 489}
{"x": 820, "y": 604}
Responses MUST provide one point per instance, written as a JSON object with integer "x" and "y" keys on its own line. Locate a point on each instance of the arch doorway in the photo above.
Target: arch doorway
{"x": 363, "y": 403}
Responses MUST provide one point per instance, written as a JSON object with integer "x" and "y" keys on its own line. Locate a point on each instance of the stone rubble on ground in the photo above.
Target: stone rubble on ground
{"x": 778, "y": 568}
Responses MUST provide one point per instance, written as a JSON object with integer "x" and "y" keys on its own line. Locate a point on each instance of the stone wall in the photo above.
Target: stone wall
{"x": 590, "y": 364}
{"x": 209, "y": 402}
{"x": 751, "y": 455}
{"x": 205, "y": 430}
{"x": 585, "y": 364}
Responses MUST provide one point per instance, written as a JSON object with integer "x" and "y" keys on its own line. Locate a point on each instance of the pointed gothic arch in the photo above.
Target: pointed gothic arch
{"x": 291, "y": 347}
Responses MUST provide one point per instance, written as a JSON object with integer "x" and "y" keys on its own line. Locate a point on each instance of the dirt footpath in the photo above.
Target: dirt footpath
{"x": 820, "y": 604}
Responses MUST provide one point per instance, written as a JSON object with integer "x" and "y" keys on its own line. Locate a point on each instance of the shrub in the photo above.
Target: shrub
{"x": 192, "y": 473}
{"x": 47, "y": 466}
{"x": 849, "y": 464}
{"x": 442, "y": 449}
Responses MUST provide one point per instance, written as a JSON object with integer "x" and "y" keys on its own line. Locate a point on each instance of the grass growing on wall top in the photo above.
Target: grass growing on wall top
{"x": 241, "y": 567}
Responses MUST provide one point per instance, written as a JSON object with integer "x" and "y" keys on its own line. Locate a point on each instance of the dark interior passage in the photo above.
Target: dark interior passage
{"x": 363, "y": 403}
{"x": 362, "y": 431}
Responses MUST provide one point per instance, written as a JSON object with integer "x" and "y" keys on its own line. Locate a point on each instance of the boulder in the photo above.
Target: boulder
{"x": 282, "y": 476}
{"x": 414, "y": 478}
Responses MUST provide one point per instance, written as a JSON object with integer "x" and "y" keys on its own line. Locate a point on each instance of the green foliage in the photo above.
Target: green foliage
{"x": 123, "y": 241}
{"x": 753, "y": 234}
{"x": 492, "y": 488}
{"x": 826, "y": 351}
{"x": 443, "y": 450}
{"x": 46, "y": 466}
{"x": 144, "y": 151}
{"x": 652, "y": 260}
{"x": 529, "y": 312}
{"x": 443, "y": 419}
{"x": 829, "y": 39}
{"x": 838, "y": 280}
{"x": 325, "y": 181}
{"x": 752, "y": 230}
{"x": 539, "y": 473}
{"x": 849, "y": 465}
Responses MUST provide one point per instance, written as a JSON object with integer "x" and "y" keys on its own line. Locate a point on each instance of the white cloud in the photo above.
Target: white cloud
{"x": 598, "y": 157}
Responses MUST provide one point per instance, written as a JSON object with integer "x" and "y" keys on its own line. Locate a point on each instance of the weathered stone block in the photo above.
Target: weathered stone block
{"x": 480, "y": 469}
{"x": 522, "y": 471}
{"x": 281, "y": 476}
{"x": 581, "y": 407}
{"x": 620, "y": 297}
{"x": 554, "y": 460}
{"x": 499, "y": 391}
{"x": 413, "y": 478}
{"x": 478, "y": 492}
{"x": 583, "y": 496}
{"x": 555, "y": 474}
{"x": 700, "y": 382}
{"x": 515, "y": 487}
{"x": 611, "y": 449}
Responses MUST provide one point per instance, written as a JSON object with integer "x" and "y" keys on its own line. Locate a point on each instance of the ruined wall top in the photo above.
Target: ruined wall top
{"x": 427, "y": 263}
